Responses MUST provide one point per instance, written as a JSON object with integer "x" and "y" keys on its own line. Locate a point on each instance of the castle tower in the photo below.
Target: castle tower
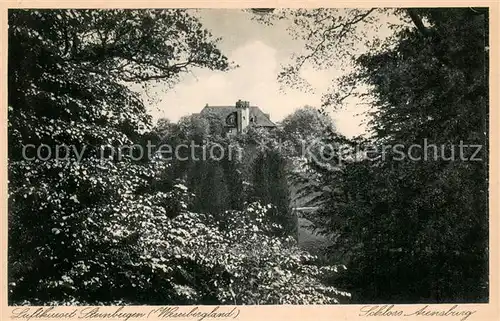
{"x": 243, "y": 112}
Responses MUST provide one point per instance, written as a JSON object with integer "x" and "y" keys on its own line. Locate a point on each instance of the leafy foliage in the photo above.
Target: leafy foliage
{"x": 306, "y": 123}
{"x": 425, "y": 220}
{"x": 97, "y": 227}
{"x": 193, "y": 259}
{"x": 270, "y": 186}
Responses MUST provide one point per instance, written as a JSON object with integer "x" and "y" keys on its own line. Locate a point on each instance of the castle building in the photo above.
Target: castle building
{"x": 239, "y": 117}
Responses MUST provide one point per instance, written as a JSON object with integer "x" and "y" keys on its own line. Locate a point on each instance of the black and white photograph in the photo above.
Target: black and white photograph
{"x": 249, "y": 156}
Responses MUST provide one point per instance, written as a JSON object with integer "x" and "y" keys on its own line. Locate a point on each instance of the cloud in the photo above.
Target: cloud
{"x": 255, "y": 81}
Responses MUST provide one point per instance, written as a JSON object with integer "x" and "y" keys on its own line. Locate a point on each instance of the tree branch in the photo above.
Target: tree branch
{"x": 418, "y": 22}
{"x": 343, "y": 31}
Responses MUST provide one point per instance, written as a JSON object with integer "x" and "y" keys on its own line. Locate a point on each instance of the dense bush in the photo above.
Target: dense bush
{"x": 270, "y": 186}
{"x": 248, "y": 167}
{"x": 89, "y": 229}
{"x": 415, "y": 228}
{"x": 138, "y": 253}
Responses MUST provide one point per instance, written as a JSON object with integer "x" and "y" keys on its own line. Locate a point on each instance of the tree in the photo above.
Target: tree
{"x": 216, "y": 124}
{"x": 306, "y": 123}
{"x": 451, "y": 54}
{"x": 165, "y": 128}
{"x": 301, "y": 135}
{"x": 194, "y": 127}
{"x": 270, "y": 186}
{"x": 425, "y": 221}
{"x": 212, "y": 190}
{"x": 71, "y": 219}
{"x": 211, "y": 168}
{"x": 92, "y": 230}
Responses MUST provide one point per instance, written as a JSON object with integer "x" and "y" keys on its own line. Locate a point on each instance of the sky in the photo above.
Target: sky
{"x": 259, "y": 50}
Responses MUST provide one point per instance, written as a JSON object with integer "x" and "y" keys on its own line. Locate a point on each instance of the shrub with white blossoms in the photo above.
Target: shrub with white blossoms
{"x": 272, "y": 270}
{"x": 236, "y": 261}
{"x": 149, "y": 249}
{"x": 100, "y": 230}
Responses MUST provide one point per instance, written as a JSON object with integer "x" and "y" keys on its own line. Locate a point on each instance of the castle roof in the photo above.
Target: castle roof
{"x": 260, "y": 118}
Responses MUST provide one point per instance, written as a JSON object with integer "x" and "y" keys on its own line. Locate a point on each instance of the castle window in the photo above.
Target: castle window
{"x": 231, "y": 119}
